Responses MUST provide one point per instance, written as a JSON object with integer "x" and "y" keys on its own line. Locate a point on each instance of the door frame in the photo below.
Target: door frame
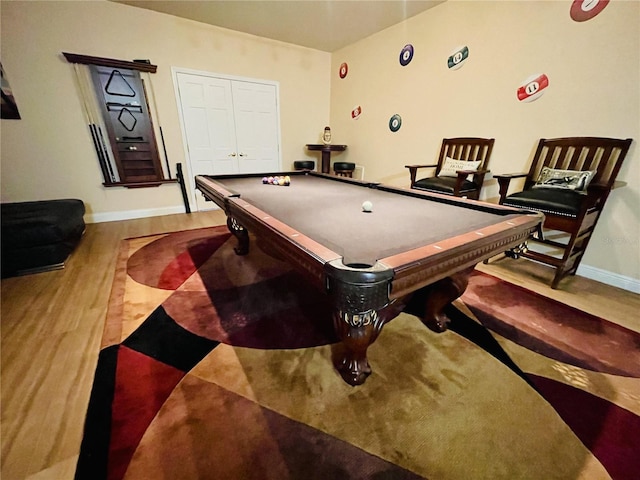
{"x": 190, "y": 185}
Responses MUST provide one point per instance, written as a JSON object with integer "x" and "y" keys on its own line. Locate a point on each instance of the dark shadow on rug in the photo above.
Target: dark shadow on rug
{"x": 553, "y": 329}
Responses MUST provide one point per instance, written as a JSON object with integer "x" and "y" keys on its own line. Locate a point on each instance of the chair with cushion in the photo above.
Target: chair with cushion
{"x": 569, "y": 181}
{"x": 461, "y": 167}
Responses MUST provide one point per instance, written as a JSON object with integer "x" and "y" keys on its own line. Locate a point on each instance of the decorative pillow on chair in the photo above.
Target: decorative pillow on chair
{"x": 451, "y": 166}
{"x": 577, "y": 180}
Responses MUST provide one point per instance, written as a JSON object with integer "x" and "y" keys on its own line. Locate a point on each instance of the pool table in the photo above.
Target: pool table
{"x": 414, "y": 251}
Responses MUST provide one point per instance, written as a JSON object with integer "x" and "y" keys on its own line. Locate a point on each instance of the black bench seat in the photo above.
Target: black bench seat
{"x": 39, "y": 236}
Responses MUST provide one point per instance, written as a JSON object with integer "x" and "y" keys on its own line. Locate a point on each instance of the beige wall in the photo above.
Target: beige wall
{"x": 594, "y": 73}
{"x": 593, "y": 67}
{"x": 48, "y": 153}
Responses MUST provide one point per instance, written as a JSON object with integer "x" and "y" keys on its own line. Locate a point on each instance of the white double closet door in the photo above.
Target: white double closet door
{"x": 229, "y": 126}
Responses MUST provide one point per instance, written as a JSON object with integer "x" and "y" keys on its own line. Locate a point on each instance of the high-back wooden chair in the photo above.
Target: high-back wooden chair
{"x": 569, "y": 181}
{"x": 461, "y": 167}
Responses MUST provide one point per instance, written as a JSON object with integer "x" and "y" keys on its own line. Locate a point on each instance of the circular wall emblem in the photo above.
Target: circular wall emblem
{"x": 583, "y": 10}
{"x": 344, "y": 69}
{"x": 406, "y": 54}
{"x": 356, "y": 112}
{"x": 533, "y": 88}
{"x": 395, "y": 122}
{"x": 458, "y": 57}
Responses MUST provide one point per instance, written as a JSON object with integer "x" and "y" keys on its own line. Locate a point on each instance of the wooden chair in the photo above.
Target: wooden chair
{"x": 567, "y": 207}
{"x": 451, "y": 178}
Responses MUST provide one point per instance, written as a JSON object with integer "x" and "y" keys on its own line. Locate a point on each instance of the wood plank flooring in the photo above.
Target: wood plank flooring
{"x": 51, "y": 325}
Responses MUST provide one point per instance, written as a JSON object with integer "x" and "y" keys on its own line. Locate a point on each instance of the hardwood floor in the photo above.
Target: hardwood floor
{"x": 52, "y": 322}
{"x": 51, "y": 329}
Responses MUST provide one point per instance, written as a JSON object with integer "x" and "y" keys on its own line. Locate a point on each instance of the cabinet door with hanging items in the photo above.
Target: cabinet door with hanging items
{"x": 123, "y": 102}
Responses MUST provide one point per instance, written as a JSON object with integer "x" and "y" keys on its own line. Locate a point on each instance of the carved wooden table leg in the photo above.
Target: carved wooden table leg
{"x": 356, "y": 332}
{"x": 241, "y": 234}
{"x": 428, "y": 303}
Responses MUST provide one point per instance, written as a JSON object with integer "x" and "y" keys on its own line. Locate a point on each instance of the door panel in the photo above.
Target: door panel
{"x": 207, "y": 108}
{"x": 256, "y": 118}
{"x": 231, "y": 126}
{"x": 207, "y": 112}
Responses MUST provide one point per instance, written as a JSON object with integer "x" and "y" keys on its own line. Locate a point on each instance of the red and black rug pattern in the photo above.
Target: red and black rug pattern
{"x": 184, "y": 300}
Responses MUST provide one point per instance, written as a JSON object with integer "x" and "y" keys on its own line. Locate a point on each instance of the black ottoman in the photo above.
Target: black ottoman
{"x": 39, "y": 236}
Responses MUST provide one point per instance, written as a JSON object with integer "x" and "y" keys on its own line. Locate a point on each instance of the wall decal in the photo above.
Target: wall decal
{"x": 406, "y": 54}
{"x": 458, "y": 58}
{"x": 356, "y": 112}
{"x": 533, "y": 87}
{"x": 344, "y": 69}
{"x": 583, "y": 10}
{"x": 9, "y": 109}
{"x": 395, "y": 122}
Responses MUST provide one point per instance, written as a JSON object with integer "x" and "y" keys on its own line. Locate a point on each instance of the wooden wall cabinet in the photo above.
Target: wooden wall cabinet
{"x": 124, "y": 108}
{"x": 123, "y": 103}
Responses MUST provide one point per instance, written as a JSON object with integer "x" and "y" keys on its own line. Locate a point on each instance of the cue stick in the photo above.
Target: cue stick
{"x": 92, "y": 106}
{"x": 104, "y": 147}
{"x": 164, "y": 148}
{"x": 183, "y": 188}
{"x": 103, "y": 152}
{"x": 101, "y": 159}
{"x": 92, "y": 126}
{"x": 155, "y": 106}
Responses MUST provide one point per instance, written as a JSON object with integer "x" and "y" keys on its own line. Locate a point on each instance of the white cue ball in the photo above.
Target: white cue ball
{"x": 367, "y": 206}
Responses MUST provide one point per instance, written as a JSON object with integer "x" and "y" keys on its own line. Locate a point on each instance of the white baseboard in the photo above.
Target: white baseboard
{"x": 131, "y": 214}
{"x": 609, "y": 278}
{"x": 592, "y": 273}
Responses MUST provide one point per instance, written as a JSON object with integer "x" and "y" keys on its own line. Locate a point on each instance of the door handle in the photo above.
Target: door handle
{"x": 232, "y": 154}
{"x": 244, "y": 154}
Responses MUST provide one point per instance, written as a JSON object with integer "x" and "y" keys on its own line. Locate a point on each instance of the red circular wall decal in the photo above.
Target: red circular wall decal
{"x": 533, "y": 87}
{"x": 344, "y": 69}
{"x": 583, "y": 10}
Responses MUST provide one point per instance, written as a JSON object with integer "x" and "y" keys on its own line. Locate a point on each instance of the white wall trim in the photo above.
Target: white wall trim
{"x": 131, "y": 214}
{"x": 609, "y": 278}
{"x": 204, "y": 73}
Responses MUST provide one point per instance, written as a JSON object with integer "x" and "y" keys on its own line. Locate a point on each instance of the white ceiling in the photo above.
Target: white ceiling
{"x": 325, "y": 25}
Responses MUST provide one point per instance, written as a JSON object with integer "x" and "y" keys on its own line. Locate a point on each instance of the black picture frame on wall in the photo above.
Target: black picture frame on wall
{"x": 9, "y": 109}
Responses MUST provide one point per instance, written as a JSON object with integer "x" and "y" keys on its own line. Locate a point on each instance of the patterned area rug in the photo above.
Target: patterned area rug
{"x": 215, "y": 366}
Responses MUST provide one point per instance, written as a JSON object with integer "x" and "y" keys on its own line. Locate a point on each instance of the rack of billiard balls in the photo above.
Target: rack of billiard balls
{"x": 283, "y": 180}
